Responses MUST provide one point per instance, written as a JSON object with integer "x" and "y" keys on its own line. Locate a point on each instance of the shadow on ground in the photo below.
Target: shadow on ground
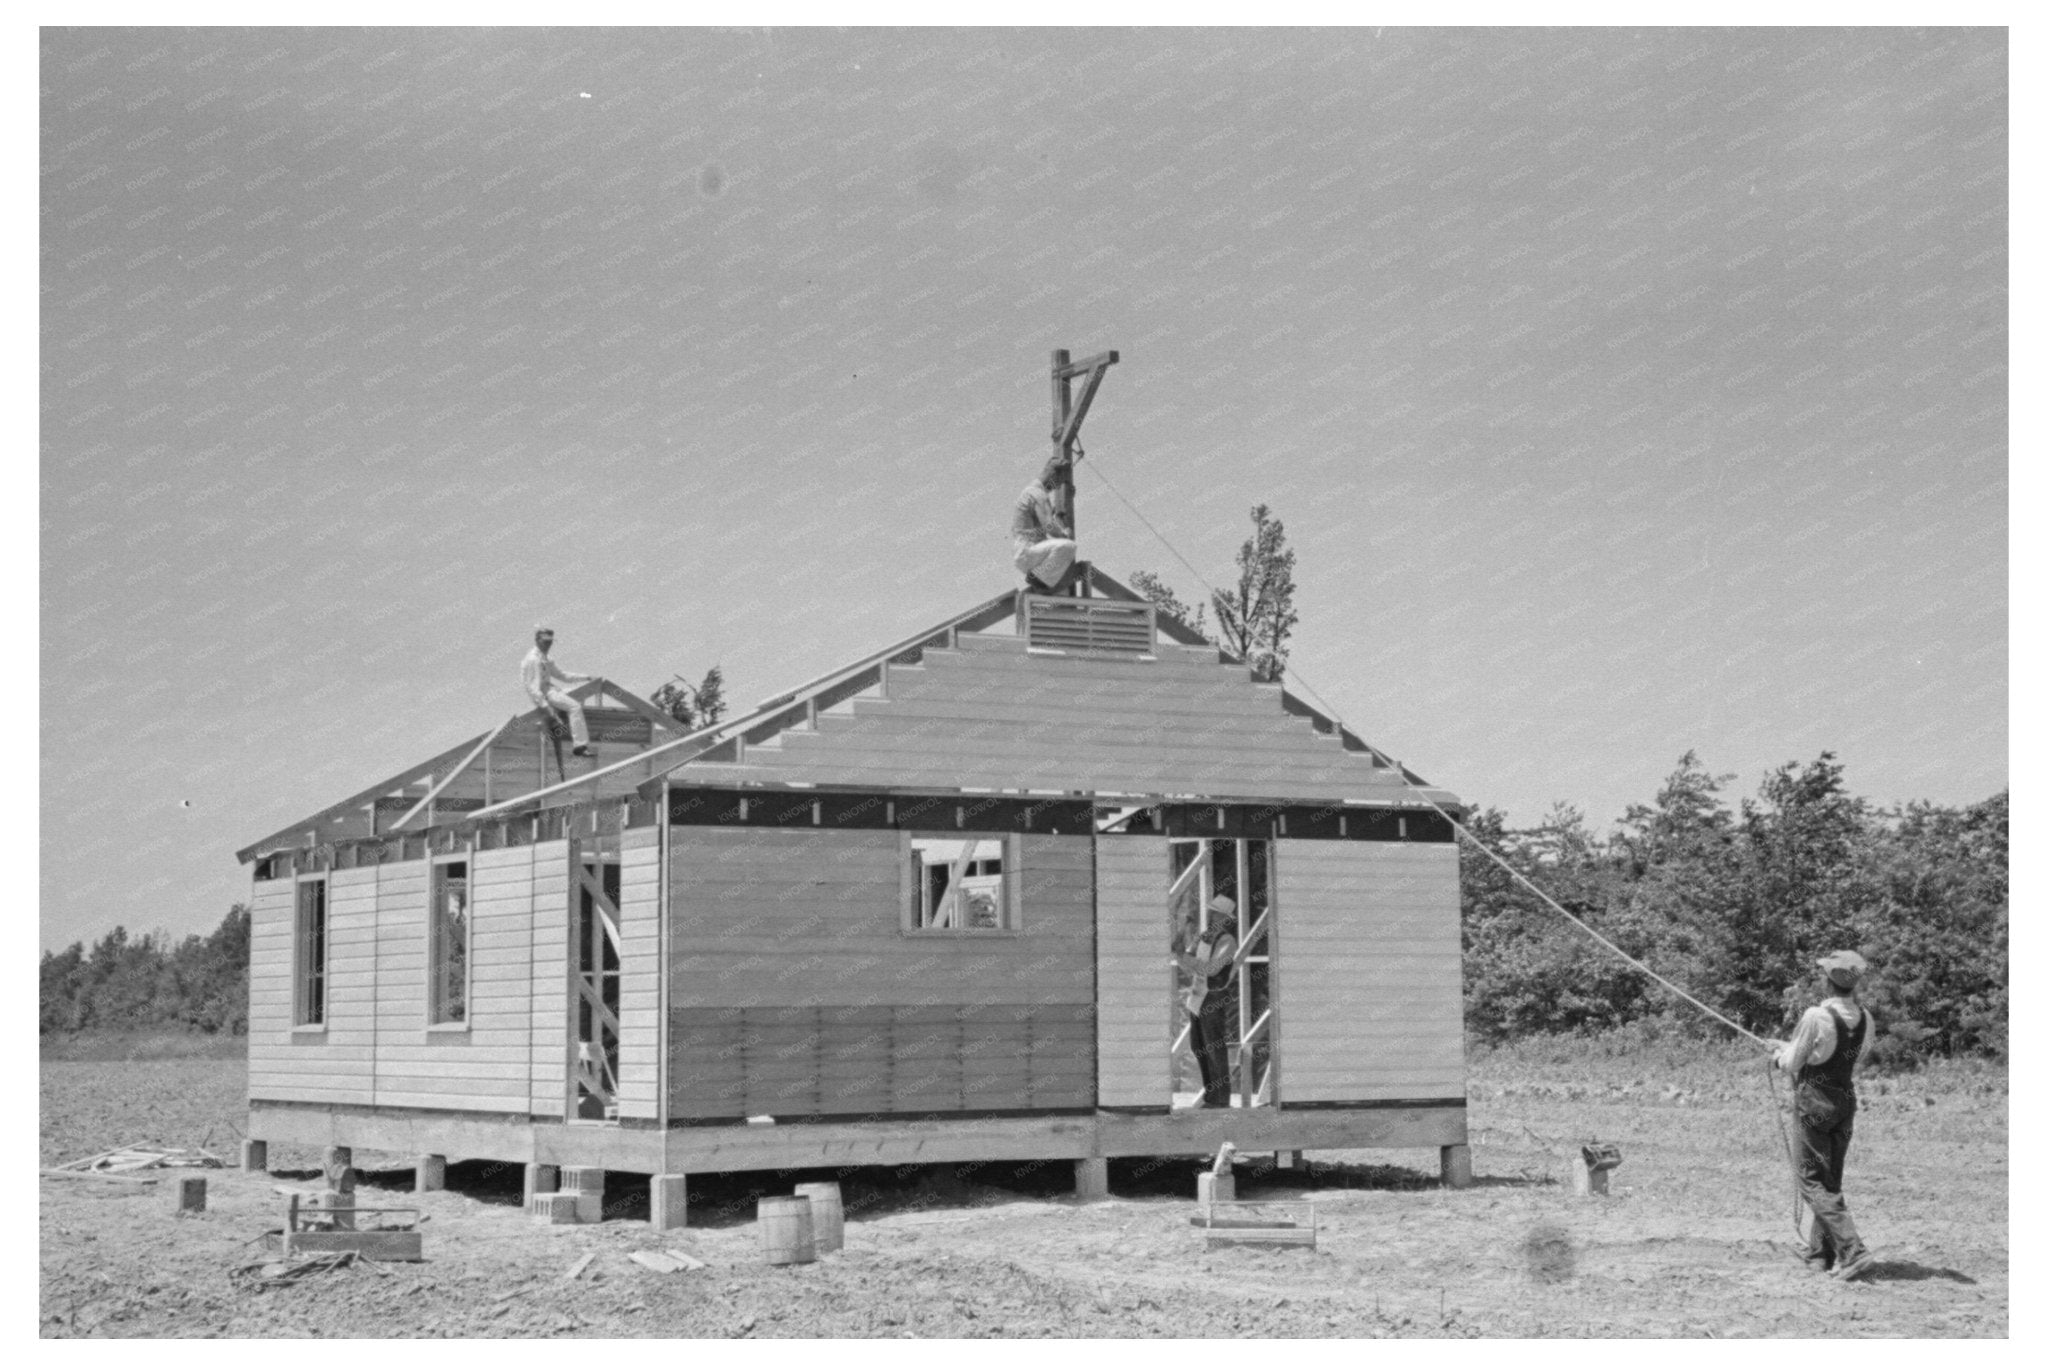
{"x": 1909, "y": 1270}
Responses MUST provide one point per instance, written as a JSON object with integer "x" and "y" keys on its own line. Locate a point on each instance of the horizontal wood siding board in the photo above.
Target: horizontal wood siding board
{"x": 764, "y": 916}
{"x": 885, "y": 1059}
{"x": 1233, "y": 716}
{"x": 1277, "y": 782}
{"x": 1371, "y": 984}
{"x": 1155, "y": 765}
{"x": 1132, "y": 984}
{"x": 437, "y": 1098}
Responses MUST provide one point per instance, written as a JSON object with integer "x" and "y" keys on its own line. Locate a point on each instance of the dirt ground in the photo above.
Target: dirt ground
{"x": 1693, "y": 1240}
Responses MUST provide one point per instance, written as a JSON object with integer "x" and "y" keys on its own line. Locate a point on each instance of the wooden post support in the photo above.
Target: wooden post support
{"x": 1457, "y": 1166}
{"x": 668, "y": 1203}
{"x": 540, "y": 1180}
{"x": 191, "y": 1194}
{"x": 1091, "y": 1178}
{"x": 430, "y": 1173}
{"x": 255, "y": 1154}
{"x": 341, "y": 1187}
{"x": 1211, "y": 1188}
{"x": 1290, "y": 1161}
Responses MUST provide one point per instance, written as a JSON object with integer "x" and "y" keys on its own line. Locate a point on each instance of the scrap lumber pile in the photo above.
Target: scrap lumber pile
{"x": 262, "y": 1275}
{"x": 127, "y": 1164}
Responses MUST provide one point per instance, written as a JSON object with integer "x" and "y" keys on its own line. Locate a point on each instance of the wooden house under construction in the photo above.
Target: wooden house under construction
{"x": 923, "y": 908}
{"x": 917, "y": 910}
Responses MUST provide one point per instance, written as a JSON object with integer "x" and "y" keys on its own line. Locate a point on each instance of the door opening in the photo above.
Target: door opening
{"x": 1220, "y": 906}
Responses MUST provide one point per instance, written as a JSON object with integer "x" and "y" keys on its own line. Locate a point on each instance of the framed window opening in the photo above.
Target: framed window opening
{"x": 448, "y": 930}
{"x": 961, "y": 884}
{"x": 309, "y": 955}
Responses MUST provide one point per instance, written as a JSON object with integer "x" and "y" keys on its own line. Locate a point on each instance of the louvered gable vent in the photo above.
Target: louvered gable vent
{"x": 1089, "y": 625}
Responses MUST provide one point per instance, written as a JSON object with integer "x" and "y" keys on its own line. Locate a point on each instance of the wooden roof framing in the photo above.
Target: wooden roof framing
{"x": 439, "y": 774}
{"x": 785, "y": 708}
{"x": 1377, "y": 780}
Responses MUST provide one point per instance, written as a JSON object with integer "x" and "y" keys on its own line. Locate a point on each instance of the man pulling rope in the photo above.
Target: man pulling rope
{"x": 1823, "y": 1054}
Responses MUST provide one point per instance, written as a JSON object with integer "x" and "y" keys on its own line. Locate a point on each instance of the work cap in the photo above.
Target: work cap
{"x": 1222, "y": 905}
{"x": 543, "y": 630}
{"x": 1845, "y": 968}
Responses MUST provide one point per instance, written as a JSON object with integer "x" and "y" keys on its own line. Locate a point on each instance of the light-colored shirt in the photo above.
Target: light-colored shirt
{"x": 1202, "y": 961}
{"x": 1036, "y": 519}
{"x": 537, "y": 670}
{"x": 1813, "y": 1042}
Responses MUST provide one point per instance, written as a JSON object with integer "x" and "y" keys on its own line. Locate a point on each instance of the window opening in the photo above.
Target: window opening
{"x": 309, "y": 1000}
{"x": 959, "y": 884}
{"x": 448, "y": 944}
{"x": 594, "y": 1083}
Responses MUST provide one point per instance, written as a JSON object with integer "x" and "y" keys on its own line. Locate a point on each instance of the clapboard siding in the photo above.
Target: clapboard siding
{"x": 271, "y": 908}
{"x": 881, "y": 1058}
{"x": 795, "y": 989}
{"x": 331, "y": 1065}
{"x": 640, "y": 1032}
{"x": 1371, "y": 981}
{"x": 821, "y": 924}
{"x": 482, "y": 1066}
{"x": 547, "y": 877}
{"x": 992, "y": 715}
{"x": 1134, "y": 997}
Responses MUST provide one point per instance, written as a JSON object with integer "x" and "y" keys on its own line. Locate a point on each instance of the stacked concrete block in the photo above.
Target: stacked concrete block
{"x": 587, "y": 1184}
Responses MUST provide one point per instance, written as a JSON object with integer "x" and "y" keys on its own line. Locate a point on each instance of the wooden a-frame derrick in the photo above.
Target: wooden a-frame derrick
{"x": 1067, "y": 415}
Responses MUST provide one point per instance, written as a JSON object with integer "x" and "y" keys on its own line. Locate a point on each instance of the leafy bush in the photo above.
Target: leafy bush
{"x": 1737, "y": 906}
{"x": 200, "y": 984}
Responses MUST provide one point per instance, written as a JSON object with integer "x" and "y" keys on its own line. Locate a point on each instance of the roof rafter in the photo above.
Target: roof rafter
{"x": 465, "y": 752}
{"x": 792, "y": 706}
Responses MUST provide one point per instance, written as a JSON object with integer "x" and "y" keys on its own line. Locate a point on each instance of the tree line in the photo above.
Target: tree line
{"x": 1737, "y": 904}
{"x": 151, "y": 982}
{"x": 1734, "y": 904}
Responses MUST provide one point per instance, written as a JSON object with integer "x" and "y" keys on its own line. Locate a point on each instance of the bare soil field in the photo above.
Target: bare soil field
{"x": 1694, "y": 1240}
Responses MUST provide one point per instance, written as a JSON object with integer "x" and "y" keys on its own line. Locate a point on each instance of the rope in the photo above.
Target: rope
{"x": 1472, "y": 838}
{"x": 1770, "y": 1066}
{"x": 1785, "y": 1136}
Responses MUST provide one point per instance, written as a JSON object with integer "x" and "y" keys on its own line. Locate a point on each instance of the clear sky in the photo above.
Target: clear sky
{"x": 1623, "y": 393}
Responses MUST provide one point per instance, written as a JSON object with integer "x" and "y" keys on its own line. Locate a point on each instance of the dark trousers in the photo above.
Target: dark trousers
{"x": 1827, "y": 1120}
{"x": 1209, "y": 1040}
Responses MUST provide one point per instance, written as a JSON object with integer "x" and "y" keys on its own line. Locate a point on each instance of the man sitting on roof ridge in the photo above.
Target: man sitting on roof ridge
{"x": 1045, "y": 547}
{"x": 538, "y": 674}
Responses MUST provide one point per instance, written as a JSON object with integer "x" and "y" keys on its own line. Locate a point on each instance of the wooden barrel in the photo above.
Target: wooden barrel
{"x": 786, "y": 1231}
{"x": 828, "y": 1216}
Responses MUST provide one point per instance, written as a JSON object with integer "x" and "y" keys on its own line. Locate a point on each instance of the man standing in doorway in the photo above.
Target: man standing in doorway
{"x": 1822, "y": 1054}
{"x": 1044, "y": 546}
{"x": 1208, "y": 999}
{"x": 539, "y": 674}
